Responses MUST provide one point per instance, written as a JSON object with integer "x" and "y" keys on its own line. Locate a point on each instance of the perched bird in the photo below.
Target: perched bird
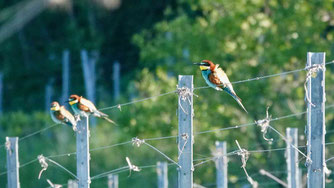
{"x": 84, "y": 107}
{"x": 216, "y": 78}
{"x": 60, "y": 115}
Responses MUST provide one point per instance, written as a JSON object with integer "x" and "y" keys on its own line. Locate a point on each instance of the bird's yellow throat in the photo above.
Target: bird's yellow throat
{"x": 72, "y": 102}
{"x": 55, "y": 108}
{"x": 204, "y": 67}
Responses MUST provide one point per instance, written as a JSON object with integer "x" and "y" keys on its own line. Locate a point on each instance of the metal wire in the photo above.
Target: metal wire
{"x": 204, "y": 87}
{"x": 36, "y": 132}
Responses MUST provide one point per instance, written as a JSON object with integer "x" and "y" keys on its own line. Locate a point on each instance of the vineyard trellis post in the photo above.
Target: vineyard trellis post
{"x": 113, "y": 181}
{"x": 83, "y": 156}
{"x": 185, "y": 136}
{"x": 12, "y": 162}
{"x": 221, "y": 164}
{"x": 292, "y": 158}
{"x": 316, "y": 121}
{"x": 162, "y": 172}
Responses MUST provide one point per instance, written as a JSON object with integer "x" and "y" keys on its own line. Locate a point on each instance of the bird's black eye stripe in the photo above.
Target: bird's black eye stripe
{"x": 202, "y": 64}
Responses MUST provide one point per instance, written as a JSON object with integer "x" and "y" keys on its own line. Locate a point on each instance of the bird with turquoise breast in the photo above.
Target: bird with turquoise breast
{"x": 59, "y": 114}
{"x": 84, "y": 107}
{"x": 216, "y": 78}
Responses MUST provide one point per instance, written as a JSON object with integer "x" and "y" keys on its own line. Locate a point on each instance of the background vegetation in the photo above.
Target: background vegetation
{"x": 155, "y": 41}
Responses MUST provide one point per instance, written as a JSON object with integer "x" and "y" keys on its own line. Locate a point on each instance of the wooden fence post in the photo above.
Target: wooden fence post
{"x": 113, "y": 181}
{"x": 221, "y": 165}
{"x": 83, "y": 156}
{"x": 162, "y": 171}
{"x": 292, "y": 158}
{"x": 316, "y": 122}
{"x": 12, "y": 162}
{"x": 185, "y": 137}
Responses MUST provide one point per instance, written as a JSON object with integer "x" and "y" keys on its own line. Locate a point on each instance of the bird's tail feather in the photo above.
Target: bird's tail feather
{"x": 109, "y": 120}
{"x": 242, "y": 106}
{"x": 105, "y": 116}
{"x": 235, "y": 96}
{"x": 102, "y": 114}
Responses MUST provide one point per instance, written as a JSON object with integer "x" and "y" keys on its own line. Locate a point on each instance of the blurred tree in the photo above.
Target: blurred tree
{"x": 35, "y": 52}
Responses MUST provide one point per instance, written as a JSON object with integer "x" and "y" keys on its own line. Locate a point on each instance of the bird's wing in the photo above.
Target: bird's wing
{"x": 224, "y": 81}
{"x": 214, "y": 79}
{"x": 84, "y": 108}
{"x": 88, "y": 104}
{"x": 219, "y": 74}
{"x": 54, "y": 117}
{"x": 222, "y": 76}
{"x": 219, "y": 78}
{"x": 67, "y": 115}
{"x": 59, "y": 116}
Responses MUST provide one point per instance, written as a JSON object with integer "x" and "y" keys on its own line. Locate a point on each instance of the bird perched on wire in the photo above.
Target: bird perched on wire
{"x": 216, "y": 78}
{"x": 83, "y": 107}
{"x": 59, "y": 114}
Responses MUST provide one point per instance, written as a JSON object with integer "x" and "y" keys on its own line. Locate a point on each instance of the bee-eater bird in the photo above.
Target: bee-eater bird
{"x": 216, "y": 78}
{"x": 84, "y": 107}
{"x": 60, "y": 115}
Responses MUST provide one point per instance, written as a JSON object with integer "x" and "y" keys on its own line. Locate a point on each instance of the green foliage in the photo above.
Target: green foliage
{"x": 247, "y": 39}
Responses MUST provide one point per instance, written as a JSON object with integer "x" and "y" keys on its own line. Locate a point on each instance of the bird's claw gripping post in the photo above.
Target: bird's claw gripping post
{"x": 74, "y": 128}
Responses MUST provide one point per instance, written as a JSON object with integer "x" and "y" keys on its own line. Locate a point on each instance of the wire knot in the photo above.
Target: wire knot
{"x": 184, "y": 137}
{"x": 314, "y": 69}
{"x": 43, "y": 163}
{"x": 119, "y": 107}
{"x": 308, "y": 161}
{"x": 53, "y": 185}
{"x": 244, "y": 155}
{"x": 264, "y": 124}
{"x": 136, "y": 141}
{"x": 131, "y": 166}
{"x": 327, "y": 173}
{"x": 184, "y": 94}
{"x": 311, "y": 73}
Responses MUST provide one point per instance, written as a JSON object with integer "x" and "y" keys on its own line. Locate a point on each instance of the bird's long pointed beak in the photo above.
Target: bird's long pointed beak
{"x": 199, "y": 64}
